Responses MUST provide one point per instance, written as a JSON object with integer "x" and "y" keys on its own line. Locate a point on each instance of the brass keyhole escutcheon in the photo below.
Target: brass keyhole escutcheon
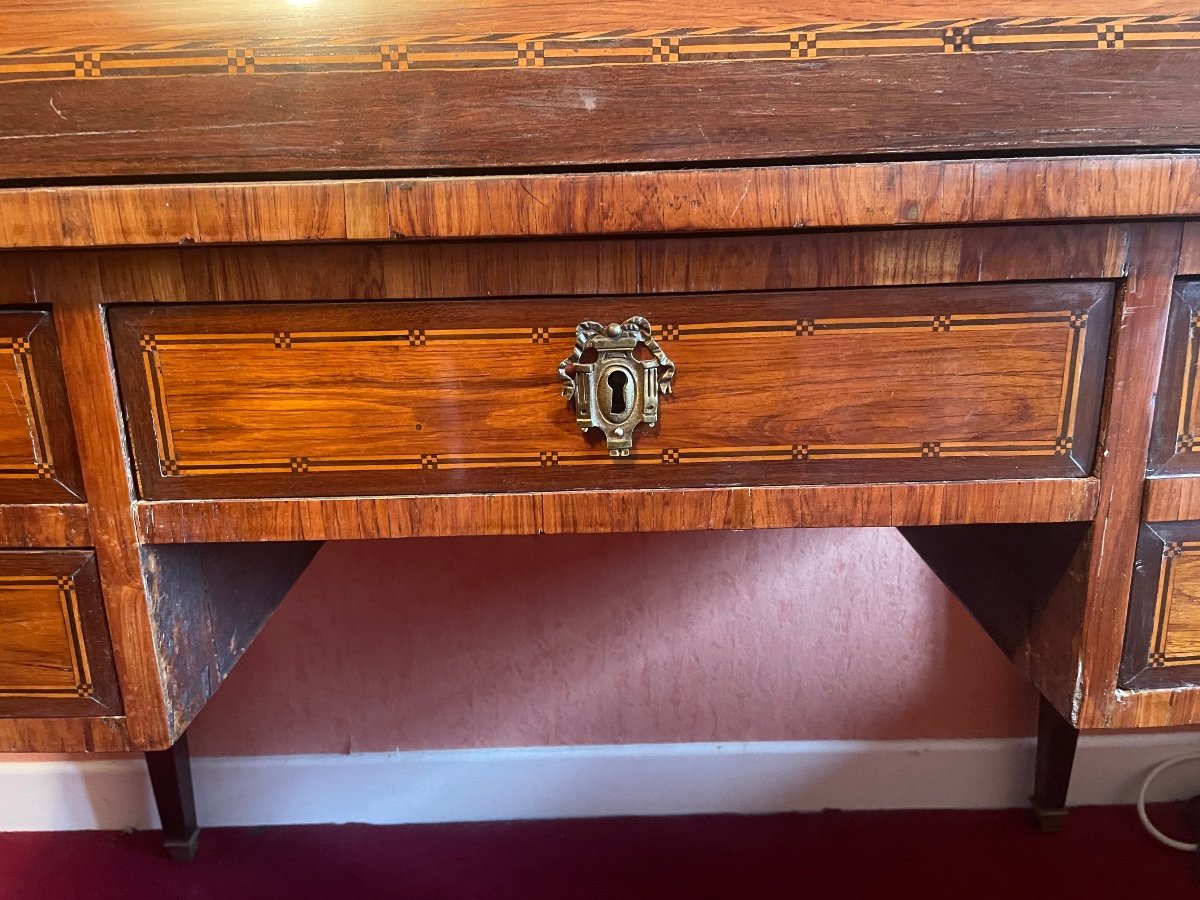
{"x": 617, "y": 391}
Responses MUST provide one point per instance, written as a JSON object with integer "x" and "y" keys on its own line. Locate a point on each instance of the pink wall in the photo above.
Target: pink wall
{"x": 480, "y": 642}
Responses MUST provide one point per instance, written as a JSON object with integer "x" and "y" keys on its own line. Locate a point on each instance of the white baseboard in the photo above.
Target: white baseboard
{"x": 569, "y": 782}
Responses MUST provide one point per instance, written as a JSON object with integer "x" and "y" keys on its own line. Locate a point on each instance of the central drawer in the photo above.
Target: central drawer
{"x": 863, "y": 385}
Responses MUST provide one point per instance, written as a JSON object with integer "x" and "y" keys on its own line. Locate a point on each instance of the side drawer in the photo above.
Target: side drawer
{"x": 55, "y": 656}
{"x": 1175, "y": 445}
{"x": 877, "y": 384}
{"x": 38, "y": 463}
{"x": 1162, "y": 637}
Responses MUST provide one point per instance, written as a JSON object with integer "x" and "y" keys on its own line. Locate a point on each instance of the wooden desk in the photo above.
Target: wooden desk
{"x": 219, "y": 360}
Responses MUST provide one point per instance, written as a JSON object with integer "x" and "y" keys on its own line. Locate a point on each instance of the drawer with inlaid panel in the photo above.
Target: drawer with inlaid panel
{"x": 55, "y": 656}
{"x": 1175, "y": 446}
{"x": 860, "y": 385}
{"x": 1162, "y": 636}
{"x": 38, "y": 462}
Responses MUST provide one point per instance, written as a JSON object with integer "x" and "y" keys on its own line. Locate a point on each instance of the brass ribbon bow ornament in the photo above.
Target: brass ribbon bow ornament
{"x": 586, "y": 334}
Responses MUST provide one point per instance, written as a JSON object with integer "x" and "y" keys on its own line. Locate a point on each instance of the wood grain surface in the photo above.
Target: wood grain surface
{"x": 38, "y": 461}
{"x": 25, "y": 525}
{"x": 55, "y": 656}
{"x": 1093, "y": 619}
{"x": 1172, "y": 499}
{"x": 983, "y": 381}
{"x": 95, "y": 734}
{"x": 1175, "y": 707}
{"x": 91, "y": 389}
{"x": 680, "y": 509}
{"x": 851, "y": 195}
{"x": 378, "y": 100}
{"x": 1175, "y": 445}
{"x": 1189, "y": 254}
{"x": 648, "y": 265}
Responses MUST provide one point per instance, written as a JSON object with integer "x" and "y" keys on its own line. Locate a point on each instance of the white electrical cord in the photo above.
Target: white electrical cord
{"x": 1141, "y": 802}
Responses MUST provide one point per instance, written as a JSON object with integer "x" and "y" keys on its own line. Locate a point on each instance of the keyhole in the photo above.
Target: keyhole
{"x": 617, "y": 382}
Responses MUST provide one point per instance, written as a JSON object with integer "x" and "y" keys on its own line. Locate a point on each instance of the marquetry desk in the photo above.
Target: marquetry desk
{"x": 326, "y": 275}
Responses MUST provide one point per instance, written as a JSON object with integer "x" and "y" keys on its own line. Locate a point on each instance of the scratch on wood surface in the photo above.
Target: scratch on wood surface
{"x": 532, "y": 196}
{"x": 738, "y": 205}
{"x": 70, "y": 134}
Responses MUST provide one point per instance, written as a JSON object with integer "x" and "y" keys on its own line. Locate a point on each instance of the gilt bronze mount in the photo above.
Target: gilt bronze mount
{"x": 616, "y": 391}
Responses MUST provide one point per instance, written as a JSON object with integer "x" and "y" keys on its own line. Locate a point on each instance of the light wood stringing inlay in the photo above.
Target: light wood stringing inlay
{"x": 1185, "y": 436}
{"x": 24, "y": 441}
{"x": 397, "y": 54}
{"x": 1176, "y": 630}
{"x": 172, "y": 463}
{"x": 47, "y": 608}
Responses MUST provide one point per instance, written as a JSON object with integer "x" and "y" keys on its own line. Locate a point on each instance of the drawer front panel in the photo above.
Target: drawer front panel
{"x": 38, "y": 463}
{"x": 1175, "y": 448}
{"x": 827, "y": 386}
{"x": 1162, "y": 641}
{"x": 55, "y": 657}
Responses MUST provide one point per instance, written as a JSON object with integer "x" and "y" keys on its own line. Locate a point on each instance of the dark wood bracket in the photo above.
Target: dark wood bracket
{"x": 171, "y": 778}
{"x": 1022, "y": 584}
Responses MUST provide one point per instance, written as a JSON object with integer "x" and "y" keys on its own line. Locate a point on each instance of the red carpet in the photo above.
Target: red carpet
{"x": 1101, "y": 853}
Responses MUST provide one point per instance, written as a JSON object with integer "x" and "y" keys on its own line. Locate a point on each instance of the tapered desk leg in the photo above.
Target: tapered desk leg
{"x": 1056, "y": 742}
{"x": 171, "y": 778}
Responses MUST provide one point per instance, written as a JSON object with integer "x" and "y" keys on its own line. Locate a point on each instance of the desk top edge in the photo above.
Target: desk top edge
{"x": 786, "y": 197}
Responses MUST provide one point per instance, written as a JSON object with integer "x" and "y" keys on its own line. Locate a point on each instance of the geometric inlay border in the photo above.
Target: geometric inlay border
{"x": 1186, "y": 439}
{"x": 243, "y": 55}
{"x": 41, "y": 465}
{"x": 72, "y": 627}
{"x": 1159, "y": 658}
